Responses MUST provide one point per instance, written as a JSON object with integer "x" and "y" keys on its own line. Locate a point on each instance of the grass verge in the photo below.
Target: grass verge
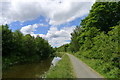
{"x": 59, "y": 54}
{"x": 103, "y": 68}
{"x": 63, "y": 69}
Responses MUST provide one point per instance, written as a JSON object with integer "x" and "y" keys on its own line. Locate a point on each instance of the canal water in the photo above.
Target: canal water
{"x": 28, "y": 70}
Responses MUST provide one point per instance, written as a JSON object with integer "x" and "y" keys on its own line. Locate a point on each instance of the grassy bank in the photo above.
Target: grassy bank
{"x": 63, "y": 69}
{"x": 104, "y": 68}
{"x": 59, "y": 54}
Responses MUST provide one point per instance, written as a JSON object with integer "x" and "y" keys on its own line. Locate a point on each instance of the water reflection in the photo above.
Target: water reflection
{"x": 29, "y": 70}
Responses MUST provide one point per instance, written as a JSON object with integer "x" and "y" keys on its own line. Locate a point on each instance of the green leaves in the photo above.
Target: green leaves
{"x": 99, "y": 37}
{"x": 6, "y": 40}
{"x": 23, "y": 48}
{"x": 97, "y": 45}
{"x": 103, "y": 16}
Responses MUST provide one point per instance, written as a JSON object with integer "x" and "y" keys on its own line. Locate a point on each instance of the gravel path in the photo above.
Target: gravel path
{"x": 81, "y": 69}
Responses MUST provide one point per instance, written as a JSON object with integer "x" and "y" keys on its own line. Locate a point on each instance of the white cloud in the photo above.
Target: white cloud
{"x": 59, "y": 37}
{"x": 29, "y": 29}
{"x": 57, "y": 11}
{"x": 54, "y": 36}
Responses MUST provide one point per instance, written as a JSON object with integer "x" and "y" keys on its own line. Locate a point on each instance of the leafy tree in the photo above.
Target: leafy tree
{"x": 103, "y": 15}
{"x": 6, "y": 40}
{"x": 18, "y": 44}
{"x": 43, "y": 49}
{"x": 63, "y": 48}
{"x": 98, "y": 38}
{"x": 29, "y": 45}
{"x": 74, "y": 45}
{"x": 23, "y": 48}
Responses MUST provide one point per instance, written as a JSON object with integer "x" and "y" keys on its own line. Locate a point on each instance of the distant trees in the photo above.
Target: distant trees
{"x": 63, "y": 48}
{"x": 22, "y": 48}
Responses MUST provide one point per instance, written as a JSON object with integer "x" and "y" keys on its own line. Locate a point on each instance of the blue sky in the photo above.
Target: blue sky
{"x": 49, "y": 19}
{"x": 17, "y": 25}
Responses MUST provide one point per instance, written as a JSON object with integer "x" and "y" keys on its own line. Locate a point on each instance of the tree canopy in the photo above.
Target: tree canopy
{"x": 98, "y": 36}
{"x": 103, "y": 15}
{"x": 17, "y": 47}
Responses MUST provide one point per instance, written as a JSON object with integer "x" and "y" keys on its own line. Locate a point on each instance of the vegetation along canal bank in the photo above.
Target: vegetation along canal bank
{"x": 63, "y": 69}
{"x": 18, "y": 50}
{"x": 95, "y": 41}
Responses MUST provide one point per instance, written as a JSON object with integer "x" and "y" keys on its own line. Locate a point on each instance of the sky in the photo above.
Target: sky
{"x": 54, "y": 20}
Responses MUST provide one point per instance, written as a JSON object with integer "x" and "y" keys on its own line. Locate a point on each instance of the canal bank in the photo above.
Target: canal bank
{"x": 63, "y": 69}
{"x": 28, "y": 70}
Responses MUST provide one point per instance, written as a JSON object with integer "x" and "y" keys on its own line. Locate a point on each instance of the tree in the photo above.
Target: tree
{"x": 63, "y": 48}
{"x": 7, "y": 42}
{"x": 43, "y": 48}
{"x": 18, "y": 43}
{"x": 74, "y": 45}
{"x": 103, "y": 15}
{"x": 23, "y": 48}
{"x": 29, "y": 45}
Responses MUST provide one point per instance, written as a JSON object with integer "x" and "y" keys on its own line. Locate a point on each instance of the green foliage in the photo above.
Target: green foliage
{"x": 104, "y": 68}
{"x": 6, "y": 40}
{"x": 19, "y": 48}
{"x": 63, "y": 69}
{"x": 97, "y": 40}
{"x": 63, "y": 48}
{"x": 74, "y": 46}
{"x": 59, "y": 54}
{"x": 103, "y": 16}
